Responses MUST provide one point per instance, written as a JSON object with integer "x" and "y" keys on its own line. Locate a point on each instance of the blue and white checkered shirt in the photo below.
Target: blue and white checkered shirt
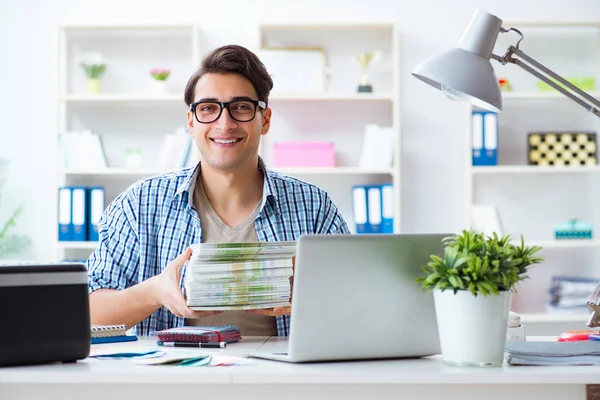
{"x": 153, "y": 222}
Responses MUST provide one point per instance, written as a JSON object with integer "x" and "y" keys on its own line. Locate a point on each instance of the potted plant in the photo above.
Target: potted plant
{"x": 159, "y": 81}
{"x": 472, "y": 285}
{"x": 94, "y": 67}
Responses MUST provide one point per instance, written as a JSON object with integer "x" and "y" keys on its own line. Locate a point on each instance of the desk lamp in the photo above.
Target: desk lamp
{"x": 465, "y": 73}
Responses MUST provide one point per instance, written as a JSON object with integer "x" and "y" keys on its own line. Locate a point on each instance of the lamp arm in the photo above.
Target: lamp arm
{"x": 590, "y": 103}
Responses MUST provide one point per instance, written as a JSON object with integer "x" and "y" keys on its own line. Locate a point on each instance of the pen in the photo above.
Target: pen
{"x": 213, "y": 345}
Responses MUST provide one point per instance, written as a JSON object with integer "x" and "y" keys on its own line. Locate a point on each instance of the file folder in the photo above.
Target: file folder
{"x": 64, "y": 214}
{"x": 374, "y": 209}
{"x": 485, "y": 138}
{"x": 387, "y": 208}
{"x": 78, "y": 213}
{"x": 359, "y": 208}
{"x": 96, "y": 204}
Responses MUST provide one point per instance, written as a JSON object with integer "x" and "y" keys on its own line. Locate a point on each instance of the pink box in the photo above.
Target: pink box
{"x": 304, "y": 154}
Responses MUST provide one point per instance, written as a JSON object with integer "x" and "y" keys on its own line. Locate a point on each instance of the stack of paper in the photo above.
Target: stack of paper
{"x": 239, "y": 276}
{"x": 553, "y": 353}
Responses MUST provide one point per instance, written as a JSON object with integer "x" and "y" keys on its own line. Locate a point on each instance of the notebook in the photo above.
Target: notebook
{"x": 553, "y": 353}
{"x": 110, "y": 334}
{"x": 199, "y": 334}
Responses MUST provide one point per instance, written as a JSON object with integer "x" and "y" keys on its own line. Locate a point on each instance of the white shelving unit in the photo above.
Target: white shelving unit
{"x": 339, "y": 113}
{"x": 126, "y": 114}
{"x": 531, "y": 199}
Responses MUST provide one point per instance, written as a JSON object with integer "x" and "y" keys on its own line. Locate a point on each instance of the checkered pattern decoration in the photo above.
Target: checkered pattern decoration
{"x": 562, "y": 148}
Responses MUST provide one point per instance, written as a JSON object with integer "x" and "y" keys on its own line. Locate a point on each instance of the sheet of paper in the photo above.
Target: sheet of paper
{"x": 121, "y": 352}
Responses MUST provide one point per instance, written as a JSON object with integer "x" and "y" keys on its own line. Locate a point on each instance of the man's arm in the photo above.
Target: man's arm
{"x": 329, "y": 219}
{"x": 132, "y": 305}
{"x": 129, "y": 306}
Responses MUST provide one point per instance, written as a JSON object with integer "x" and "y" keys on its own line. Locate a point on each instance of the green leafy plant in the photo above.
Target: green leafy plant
{"x": 478, "y": 263}
{"x": 11, "y": 243}
{"x": 94, "y": 66}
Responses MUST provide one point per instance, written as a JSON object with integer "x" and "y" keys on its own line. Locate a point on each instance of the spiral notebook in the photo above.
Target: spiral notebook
{"x": 110, "y": 334}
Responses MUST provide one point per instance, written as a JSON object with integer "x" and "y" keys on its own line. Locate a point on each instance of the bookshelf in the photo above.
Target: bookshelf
{"x": 127, "y": 114}
{"x": 338, "y": 113}
{"x": 531, "y": 199}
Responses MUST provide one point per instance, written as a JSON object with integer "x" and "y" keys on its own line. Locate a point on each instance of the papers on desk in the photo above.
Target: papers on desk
{"x": 195, "y": 359}
{"x": 553, "y": 353}
{"x": 239, "y": 276}
{"x": 121, "y": 353}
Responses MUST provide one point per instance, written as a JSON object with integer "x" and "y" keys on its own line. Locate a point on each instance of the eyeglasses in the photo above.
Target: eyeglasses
{"x": 240, "y": 110}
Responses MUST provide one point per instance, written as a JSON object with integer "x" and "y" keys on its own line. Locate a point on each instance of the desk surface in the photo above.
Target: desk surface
{"x": 428, "y": 370}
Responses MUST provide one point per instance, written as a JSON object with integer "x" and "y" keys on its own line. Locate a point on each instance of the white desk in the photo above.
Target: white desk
{"x": 426, "y": 379}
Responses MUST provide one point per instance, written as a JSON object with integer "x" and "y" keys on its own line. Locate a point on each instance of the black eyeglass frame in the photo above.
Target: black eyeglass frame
{"x": 226, "y": 104}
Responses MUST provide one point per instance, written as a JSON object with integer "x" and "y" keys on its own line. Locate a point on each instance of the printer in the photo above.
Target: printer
{"x": 44, "y": 311}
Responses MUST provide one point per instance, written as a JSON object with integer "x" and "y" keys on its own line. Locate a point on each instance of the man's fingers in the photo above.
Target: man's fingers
{"x": 282, "y": 310}
{"x": 272, "y": 312}
{"x": 267, "y": 312}
{"x": 182, "y": 258}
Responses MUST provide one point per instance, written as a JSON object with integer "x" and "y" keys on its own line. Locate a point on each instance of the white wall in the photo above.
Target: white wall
{"x": 433, "y": 128}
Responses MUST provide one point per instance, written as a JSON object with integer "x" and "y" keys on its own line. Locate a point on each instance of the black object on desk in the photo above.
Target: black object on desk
{"x": 44, "y": 311}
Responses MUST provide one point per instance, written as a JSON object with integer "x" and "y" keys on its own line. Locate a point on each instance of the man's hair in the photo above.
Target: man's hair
{"x": 233, "y": 59}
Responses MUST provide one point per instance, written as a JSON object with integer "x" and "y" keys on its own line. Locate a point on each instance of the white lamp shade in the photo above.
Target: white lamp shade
{"x": 464, "y": 75}
{"x": 465, "y": 72}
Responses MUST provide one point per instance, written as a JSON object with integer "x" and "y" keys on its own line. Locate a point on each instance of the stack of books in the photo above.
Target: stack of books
{"x": 570, "y": 294}
{"x": 239, "y": 276}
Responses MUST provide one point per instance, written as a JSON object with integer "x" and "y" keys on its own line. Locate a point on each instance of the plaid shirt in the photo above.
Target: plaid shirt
{"x": 152, "y": 222}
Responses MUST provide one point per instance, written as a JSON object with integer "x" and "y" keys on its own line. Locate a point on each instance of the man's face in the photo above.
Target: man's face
{"x": 227, "y": 144}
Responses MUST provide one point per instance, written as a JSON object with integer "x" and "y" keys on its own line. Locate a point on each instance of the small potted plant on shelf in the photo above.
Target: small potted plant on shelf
{"x": 94, "y": 67}
{"x": 159, "y": 81}
{"x": 472, "y": 285}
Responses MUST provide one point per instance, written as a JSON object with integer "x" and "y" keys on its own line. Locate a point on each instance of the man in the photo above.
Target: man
{"x": 135, "y": 275}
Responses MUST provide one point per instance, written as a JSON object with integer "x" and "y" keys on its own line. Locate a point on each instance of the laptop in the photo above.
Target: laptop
{"x": 355, "y": 297}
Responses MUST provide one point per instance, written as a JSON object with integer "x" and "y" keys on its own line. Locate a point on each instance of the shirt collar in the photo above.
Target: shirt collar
{"x": 269, "y": 191}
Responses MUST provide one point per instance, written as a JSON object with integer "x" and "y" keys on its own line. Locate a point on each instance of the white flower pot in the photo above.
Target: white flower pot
{"x": 472, "y": 329}
{"x": 159, "y": 87}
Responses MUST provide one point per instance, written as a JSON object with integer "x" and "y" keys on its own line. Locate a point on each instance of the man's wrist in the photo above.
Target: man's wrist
{"x": 152, "y": 290}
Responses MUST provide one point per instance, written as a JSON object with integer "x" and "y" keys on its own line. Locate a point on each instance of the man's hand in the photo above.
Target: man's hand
{"x": 168, "y": 293}
{"x": 279, "y": 311}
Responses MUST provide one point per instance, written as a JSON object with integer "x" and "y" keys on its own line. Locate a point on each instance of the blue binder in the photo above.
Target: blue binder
{"x": 359, "y": 208}
{"x": 95, "y": 208}
{"x": 485, "y": 138}
{"x": 78, "y": 213}
{"x": 374, "y": 208}
{"x": 387, "y": 208}
{"x": 65, "y": 228}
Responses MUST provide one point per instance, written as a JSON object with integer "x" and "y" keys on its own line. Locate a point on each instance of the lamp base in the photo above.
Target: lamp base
{"x": 365, "y": 89}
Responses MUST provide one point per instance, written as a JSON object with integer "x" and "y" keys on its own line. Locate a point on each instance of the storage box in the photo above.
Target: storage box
{"x": 304, "y": 154}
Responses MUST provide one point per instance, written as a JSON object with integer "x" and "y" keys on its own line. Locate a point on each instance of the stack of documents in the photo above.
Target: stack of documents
{"x": 239, "y": 276}
{"x": 553, "y": 353}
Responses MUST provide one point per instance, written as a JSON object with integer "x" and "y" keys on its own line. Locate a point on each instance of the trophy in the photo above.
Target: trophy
{"x": 365, "y": 60}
